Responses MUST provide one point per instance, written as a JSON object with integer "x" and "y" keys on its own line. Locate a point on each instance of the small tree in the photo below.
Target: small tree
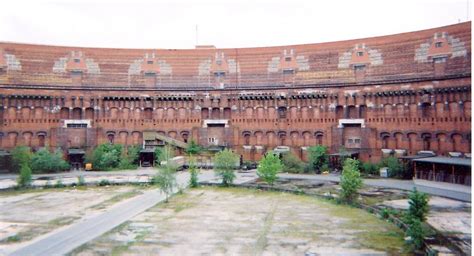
{"x": 224, "y": 164}
{"x": 20, "y": 155}
{"x": 164, "y": 154}
{"x": 318, "y": 157}
{"x": 24, "y": 180}
{"x": 166, "y": 179}
{"x": 292, "y": 163}
{"x": 350, "y": 180}
{"x": 269, "y": 167}
{"x": 418, "y": 205}
{"x": 193, "y": 148}
{"x": 194, "y": 172}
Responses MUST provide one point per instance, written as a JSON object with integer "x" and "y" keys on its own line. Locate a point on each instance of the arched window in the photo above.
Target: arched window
{"x": 246, "y": 138}
{"x": 282, "y": 112}
{"x": 426, "y": 141}
{"x": 385, "y": 139}
{"x": 319, "y": 138}
{"x": 41, "y": 140}
{"x": 110, "y": 137}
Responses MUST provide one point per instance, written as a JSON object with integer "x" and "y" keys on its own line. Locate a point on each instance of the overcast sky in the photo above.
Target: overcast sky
{"x": 223, "y": 23}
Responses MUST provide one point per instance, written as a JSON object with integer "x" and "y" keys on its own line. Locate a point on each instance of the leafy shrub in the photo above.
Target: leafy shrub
{"x": 324, "y": 168}
{"x": 248, "y": 165}
{"x": 318, "y": 157}
{"x": 193, "y": 148}
{"x": 21, "y": 156}
{"x": 269, "y": 167}
{"x": 418, "y": 205}
{"x": 59, "y": 184}
{"x": 416, "y": 234}
{"x": 166, "y": 179}
{"x": 369, "y": 168}
{"x": 395, "y": 168}
{"x": 24, "y": 180}
{"x": 163, "y": 154}
{"x": 158, "y": 155}
{"x": 385, "y": 213}
{"x": 292, "y": 163}
{"x": 350, "y": 180}
{"x": 224, "y": 164}
{"x": 44, "y": 161}
{"x": 194, "y": 172}
{"x": 129, "y": 160}
{"x": 104, "y": 182}
{"x": 105, "y": 157}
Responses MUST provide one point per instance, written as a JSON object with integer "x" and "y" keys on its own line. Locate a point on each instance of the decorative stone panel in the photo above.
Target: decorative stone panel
{"x": 76, "y": 62}
{"x": 441, "y": 45}
{"x": 360, "y": 54}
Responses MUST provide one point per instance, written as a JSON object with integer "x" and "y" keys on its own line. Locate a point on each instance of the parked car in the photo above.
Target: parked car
{"x": 146, "y": 164}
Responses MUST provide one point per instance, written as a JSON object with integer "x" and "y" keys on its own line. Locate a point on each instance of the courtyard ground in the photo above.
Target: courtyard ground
{"x": 235, "y": 221}
{"x": 28, "y": 214}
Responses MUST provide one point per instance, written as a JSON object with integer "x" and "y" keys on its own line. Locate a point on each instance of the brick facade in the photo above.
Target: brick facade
{"x": 409, "y": 91}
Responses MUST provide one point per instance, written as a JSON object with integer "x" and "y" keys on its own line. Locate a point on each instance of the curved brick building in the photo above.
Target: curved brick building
{"x": 399, "y": 93}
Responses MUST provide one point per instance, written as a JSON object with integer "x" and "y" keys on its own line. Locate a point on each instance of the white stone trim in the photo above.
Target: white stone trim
{"x": 342, "y": 122}
{"x": 225, "y": 122}
{"x": 75, "y": 121}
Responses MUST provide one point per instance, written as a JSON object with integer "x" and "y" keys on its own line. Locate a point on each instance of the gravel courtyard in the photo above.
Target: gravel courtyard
{"x": 28, "y": 214}
{"x": 233, "y": 221}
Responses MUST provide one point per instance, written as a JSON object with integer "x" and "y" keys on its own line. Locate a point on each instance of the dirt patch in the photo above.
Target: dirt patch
{"x": 27, "y": 214}
{"x": 233, "y": 221}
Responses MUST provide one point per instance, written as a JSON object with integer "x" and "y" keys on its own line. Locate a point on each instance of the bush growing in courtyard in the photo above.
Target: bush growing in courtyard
{"x": 20, "y": 155}
{"x": 418, "y": 205}
{"x": 318, "y": 157}
{"x": 350, "y": 180}
{"x": 166, "y": 175}
{"x": 269, "y": 167}
{"x": 104, "y": 182}
{"x": 59, "y": 183}
{"x": 416, "y": 215}
{"x": 193, "y": 148}
{"x": 44, "y": 161}
{"x": 194, "y": 172}
{"x": 163, "y": 154}
{"x": 166, "y": 179}
{"x": 224, "y": 164}
{"x": 395, "y": 168}
{"x": 105, "y": 157}
{"x": 416, "y": 234}
{"x": 369, "y": 168}
{"x": 24, "y": 180}
{"x": 129, "y": 160}
{"x": 292, "y": 163}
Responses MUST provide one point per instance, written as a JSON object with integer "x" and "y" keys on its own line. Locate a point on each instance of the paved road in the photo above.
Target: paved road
{"x": 458, "y": 192}
{"x": 140, "y": 171}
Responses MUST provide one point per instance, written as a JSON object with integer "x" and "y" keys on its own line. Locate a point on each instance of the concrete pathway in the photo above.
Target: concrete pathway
{"x": 448, "y": 190}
